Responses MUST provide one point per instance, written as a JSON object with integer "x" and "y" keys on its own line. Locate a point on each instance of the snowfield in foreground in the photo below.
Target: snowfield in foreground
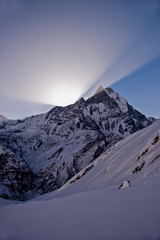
{"x": 131, "y": 213}
{"x": 90, "y": 206}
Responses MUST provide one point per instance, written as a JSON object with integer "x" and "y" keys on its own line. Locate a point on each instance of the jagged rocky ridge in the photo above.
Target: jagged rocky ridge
{"x": 40, "y": 153}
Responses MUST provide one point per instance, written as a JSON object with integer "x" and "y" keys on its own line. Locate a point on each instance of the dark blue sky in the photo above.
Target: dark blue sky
{"x": 53, "y": 52}
{"x": 142, "y": 88}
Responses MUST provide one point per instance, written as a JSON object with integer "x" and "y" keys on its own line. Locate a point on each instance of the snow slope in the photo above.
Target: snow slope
{"x": 131, "y": 213}
{"x": 129, "y": 160}
{"x": 90, "y": 206}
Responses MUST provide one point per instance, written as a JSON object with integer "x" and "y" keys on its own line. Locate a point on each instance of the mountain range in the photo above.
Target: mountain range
{"x": 92, "y": 205}
{"x": 39, "y": 154}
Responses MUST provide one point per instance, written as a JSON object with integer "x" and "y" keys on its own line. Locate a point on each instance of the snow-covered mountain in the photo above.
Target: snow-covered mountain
{"x": 136, "y": 159}
{"x": 90, "y": 205}
{"x": 51, "y": 148}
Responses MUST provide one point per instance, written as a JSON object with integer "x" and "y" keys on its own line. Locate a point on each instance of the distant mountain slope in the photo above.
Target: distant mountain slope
{"x": 135, "y": 158}
{"x": 57, "y": 145}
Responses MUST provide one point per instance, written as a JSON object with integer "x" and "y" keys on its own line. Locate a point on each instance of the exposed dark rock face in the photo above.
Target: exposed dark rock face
{"x": 44, "y": 151}
{"x": 16, "y": 178}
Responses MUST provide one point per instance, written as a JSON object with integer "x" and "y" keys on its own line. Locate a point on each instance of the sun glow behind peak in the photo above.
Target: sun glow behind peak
{"x": 63, "y": 94}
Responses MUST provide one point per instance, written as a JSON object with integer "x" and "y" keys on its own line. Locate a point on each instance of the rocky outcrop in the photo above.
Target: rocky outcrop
{"x": 16, "y": 179}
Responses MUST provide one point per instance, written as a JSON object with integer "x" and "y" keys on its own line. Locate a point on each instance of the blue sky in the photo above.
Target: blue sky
{"x": 54, "y": 52}
{"x": 142, "y": 88}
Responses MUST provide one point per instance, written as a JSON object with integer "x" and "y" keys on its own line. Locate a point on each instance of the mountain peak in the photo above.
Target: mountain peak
{"x": 99, "y": 90}
{"x": 81, "y": 101}
{"x": 105, "y": 94}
